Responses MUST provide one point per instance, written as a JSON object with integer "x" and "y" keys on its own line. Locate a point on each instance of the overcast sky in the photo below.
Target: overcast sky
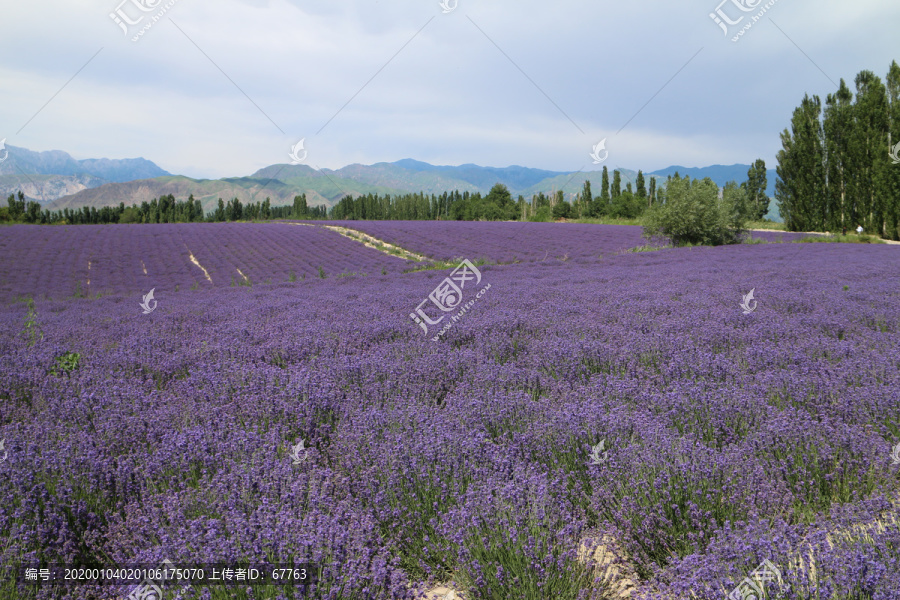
{"x": 220, "y": 89}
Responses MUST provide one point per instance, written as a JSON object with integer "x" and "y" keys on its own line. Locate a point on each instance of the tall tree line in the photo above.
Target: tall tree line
{"x": 165, "y": 209}
{"x": 835, "y": 169}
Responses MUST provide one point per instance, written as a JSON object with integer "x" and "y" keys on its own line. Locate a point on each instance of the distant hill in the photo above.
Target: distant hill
{"x": 61, "y": 175}
{"x": 46, "y": 188}
{"x": 208, "y": 191}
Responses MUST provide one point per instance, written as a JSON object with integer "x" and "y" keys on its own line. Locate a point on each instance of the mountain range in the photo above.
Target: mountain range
{"x": 58, "y": 181}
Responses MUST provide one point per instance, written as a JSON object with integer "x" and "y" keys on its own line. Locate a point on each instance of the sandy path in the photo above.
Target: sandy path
{"x": 815, "y": 233}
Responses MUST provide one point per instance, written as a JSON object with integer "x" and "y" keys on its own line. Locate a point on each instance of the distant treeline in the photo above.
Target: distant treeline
{"x": 838, "y": 166}
{"x": 497, "y": 205}
{"x": 165, "y": 209}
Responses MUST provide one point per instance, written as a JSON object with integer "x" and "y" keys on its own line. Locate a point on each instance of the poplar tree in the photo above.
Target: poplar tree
{"x": 755, "y": 190}
{"x": 587, "y": 199}
{"x": 800, "y": 188}
{"x": 640, "y": 185}
{"x": 604, "y": 189}
{"x": 891, "y": 180}
{"x": 837, "y": 127}
{"x": 868, "y": 156}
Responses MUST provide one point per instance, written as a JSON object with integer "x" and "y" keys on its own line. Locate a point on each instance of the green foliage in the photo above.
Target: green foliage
{"x": 840, "y": 239}
{"x": 292, "y": 277}
{"x": 626, "y": 206}
{"x": 321, "y": 272}
{"x": 755, "y": 190}
{"x": 738, "y": 201}
{"x": 693, "y": 214}
{"x": 616, "y": 187}
{"x": 801, "y": 183}
{"x": 66, "y": 363}
{"x": 33, "y": 330}
{"x": 504, "y": 555}
{"x": 543, "y": 215}
{"x": 835, "y": 172}
{"x": 561, "y": 210}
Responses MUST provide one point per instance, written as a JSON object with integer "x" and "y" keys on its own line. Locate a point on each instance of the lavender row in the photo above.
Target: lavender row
{"x": 512, "y": 242}
{"x": 82, "y": 261}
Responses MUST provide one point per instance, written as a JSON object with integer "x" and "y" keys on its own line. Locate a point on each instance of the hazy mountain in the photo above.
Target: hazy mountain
{"x": 57, "y": 162}
{"x": 46, "y": 188}
{"x": 47, "y": 176}
{"x": 208, "y": 191}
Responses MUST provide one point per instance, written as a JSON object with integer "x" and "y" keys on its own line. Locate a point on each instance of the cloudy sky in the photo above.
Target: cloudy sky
{"x": 219, "y": 89}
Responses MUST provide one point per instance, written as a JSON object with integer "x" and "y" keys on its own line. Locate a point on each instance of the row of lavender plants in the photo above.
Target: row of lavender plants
{"x": 515, "y": 242}
{"x": 729, "y": 438}
{"x": 92, "y": 260}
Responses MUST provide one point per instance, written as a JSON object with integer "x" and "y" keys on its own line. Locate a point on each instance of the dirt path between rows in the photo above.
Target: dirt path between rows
{"x": 817, "y": 233}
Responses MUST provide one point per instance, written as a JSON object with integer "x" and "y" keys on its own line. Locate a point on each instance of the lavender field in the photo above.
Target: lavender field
{"x": 515, "y": 242}
{"x": 597, "y": 424}
{"x": 99, "y": 260}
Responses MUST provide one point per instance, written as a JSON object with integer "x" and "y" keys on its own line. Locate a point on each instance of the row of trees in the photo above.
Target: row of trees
{"x": 835, "y": 169}
{"x": 613, "y": 201}
{"x": 498, "y": 204}
{"x": 165, "y": 209}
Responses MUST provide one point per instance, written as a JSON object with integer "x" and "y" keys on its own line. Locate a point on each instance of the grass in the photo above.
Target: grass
{"x": 771, "y": 225}
{"x": 33, "y": 330}
{"x": 442, "y": 265}
{"x": 645, "y": 248}
{"x": 841, "y": 239}
{"x": 605, "y": 221}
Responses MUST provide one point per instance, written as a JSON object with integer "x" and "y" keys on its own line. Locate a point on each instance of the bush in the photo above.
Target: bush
{"x": 562, "y": 210}
{"x": 690, "y": 212}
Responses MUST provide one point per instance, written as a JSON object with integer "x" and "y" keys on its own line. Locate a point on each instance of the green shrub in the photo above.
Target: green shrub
{"x": 690, "y": 212}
